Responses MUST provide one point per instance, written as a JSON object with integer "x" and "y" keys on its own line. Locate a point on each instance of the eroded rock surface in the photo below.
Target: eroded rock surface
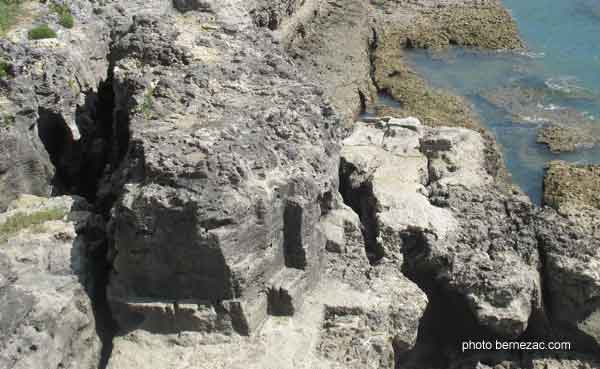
{"x": 571, "y": 245}
{"x": 47, "y": 248}
{"x": 43, "y": 104}
{"x": 211, "y": 130}
{"x": 428, "y": 199}
{"x": 574, "y": 191}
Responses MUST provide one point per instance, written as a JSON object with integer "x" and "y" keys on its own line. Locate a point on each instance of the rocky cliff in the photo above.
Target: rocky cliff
{"x": 236, "y": 213}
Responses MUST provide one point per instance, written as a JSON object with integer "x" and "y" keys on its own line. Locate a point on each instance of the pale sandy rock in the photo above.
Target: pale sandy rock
{"x": 426, "y": 192}
{"x": 46, "y": 314}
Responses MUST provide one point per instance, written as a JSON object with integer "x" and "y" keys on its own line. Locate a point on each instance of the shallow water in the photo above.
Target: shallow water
{"x": 557, "y": 80}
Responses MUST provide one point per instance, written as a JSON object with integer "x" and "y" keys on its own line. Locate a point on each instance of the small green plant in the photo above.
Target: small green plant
{"x": 41, "y": 32}
{"x": 8, "y": 120}
{"x": 33, "y": 221}
{"x": 147, "y": 104}
{"x": 73, "y": 85}
{"x": 65, "y": 18}
{"x": 4, "y": 69}
{"x": 9, "y": 10}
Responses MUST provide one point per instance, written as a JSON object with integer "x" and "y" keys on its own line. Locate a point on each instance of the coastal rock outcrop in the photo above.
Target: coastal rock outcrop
{"x": 47, "y": 247}
{"x": 574, "y": 191}
{"x": 228, "y": 171}
{"x": 427, "y": 199}
{"x": 570, "y": 241}
{"x": 208, "y": 136}
{"x": 434, "y": 25}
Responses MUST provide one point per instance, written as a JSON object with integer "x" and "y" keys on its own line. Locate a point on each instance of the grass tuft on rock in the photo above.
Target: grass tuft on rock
{"x": 41, "y": 32}
{"x": 65, "y": 18}
{"x": 34, "y": 221}
{"x": 4, "y": 69}
{"x": 9, "y": 10}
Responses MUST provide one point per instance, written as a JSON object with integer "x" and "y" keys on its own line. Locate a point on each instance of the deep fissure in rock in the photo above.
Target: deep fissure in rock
{"x": 363, "y": 202}
{"x": 294, "y": 253}
{"x": 447, "y": 321}
{"x": 56, "y": 136}
{"x": 80, "y": 165}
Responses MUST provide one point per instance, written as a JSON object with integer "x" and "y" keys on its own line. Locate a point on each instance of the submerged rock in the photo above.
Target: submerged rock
{"x": 565, "y": 139}
{"x": 434, "y": 25}
{"x": 562, "y": 129}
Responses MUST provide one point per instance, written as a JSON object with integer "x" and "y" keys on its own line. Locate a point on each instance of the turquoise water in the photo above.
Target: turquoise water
{"x": 557, "y": 81}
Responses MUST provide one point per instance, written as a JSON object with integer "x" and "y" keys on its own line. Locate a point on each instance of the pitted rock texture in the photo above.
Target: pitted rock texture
{"x": 571, "y": 245}
{"x": 227, "y": 197}
{"x": 574, "y": 191}
{"x": 46, "y": 278}
{"x": 429, "y": 201}
{"x": 327, "y": 32}
{"x": 215, "y": 126}
{"x": 42, "y": 99}
{"x": 357, "y": 316}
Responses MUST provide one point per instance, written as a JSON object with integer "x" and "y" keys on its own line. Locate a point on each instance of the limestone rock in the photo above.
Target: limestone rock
{"x": 217, "y": 198}
{"x": 46, "y": 250}
{"x": 430, "y": 204}
{"x": 357, "y": 316}
{"x": 42, "y": 100}
{"x": 574, "y": 191}
{"x": 570, "y": 240}
{"x": 187, "y": 5}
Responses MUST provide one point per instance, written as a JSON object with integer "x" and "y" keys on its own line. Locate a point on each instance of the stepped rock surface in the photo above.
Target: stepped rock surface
{"x": 251, "y": 220}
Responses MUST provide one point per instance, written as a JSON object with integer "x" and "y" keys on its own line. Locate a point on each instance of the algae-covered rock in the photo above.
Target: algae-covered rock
{"x": 571, "y": 243}
{"x": 574, "y": 191}
{"x": 428, "y": 24}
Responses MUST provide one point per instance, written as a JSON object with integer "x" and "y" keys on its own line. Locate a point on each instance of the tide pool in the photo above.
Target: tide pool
{"x": 554, "y": 83}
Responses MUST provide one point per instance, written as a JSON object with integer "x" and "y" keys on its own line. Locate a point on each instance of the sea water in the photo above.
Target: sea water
{"x": 557, "y": 80}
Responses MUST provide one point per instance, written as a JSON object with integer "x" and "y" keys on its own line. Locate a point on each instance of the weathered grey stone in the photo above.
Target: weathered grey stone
{"x": 570, "y": 240}
{"x": 369, "y": 328}
{"x": 51, "y": 85}
{"x": 574, "y": 191}
{"x": 46, "y": 316}
{"x": 219, "y": 217}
